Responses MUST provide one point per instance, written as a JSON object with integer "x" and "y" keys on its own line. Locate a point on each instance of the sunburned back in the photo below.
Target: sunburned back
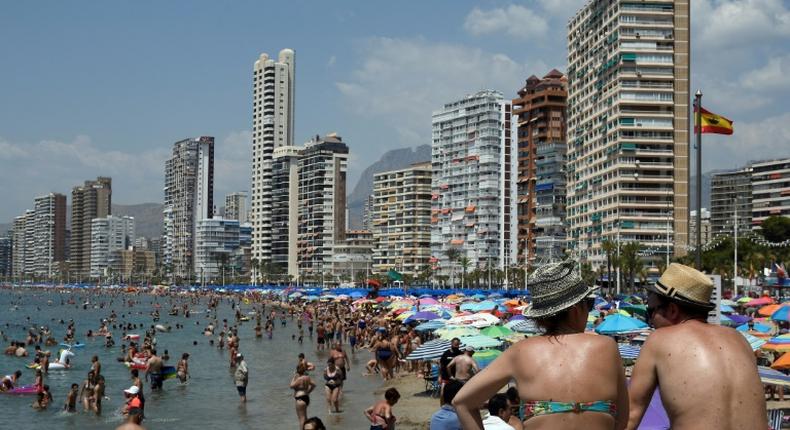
{"x": 568, "y": 368}
{"x": 708, "y": 380}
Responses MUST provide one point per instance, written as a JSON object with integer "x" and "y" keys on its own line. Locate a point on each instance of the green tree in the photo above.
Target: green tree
{"x": 453, "y": 254}
{"x": 776, "y": 228}
{"x": 630, "y": 262}
{"x": 464, "y": 262}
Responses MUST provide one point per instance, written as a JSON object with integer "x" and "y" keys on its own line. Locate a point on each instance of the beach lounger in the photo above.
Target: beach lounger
{"x": 432, "y": 381}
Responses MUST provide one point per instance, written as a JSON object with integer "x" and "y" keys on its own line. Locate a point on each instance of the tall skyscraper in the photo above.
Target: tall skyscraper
{"x": 272, "y": 127}
{"x": 770, "y": 189}
{"x": 6, "y": 252}
{"x": 473, "y": 183}
{"x": 189, "y": 197}
{"x": 23, "y": 237}
{"x": 401, "y": 219}
{"x": 50, "y": 234}
{"x": 628, "y": 129}
{"x": 322, "y": 203}
{"x": 542, "y": 150}
{"x": 217, "y": 244}
{"x": 285, "y": 209}
{"x": 88, "y": 201}
{"x": 109, "y": 234}
{"x": 730, "y": 190}
{"x": 236, "y": 206}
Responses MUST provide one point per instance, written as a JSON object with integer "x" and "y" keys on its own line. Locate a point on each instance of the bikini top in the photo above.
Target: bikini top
{"x": 536, "y": 408}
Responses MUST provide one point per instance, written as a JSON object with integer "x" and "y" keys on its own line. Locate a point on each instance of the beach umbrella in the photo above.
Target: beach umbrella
{"x": 727, "y": 309}
{"x": 623, "y": 312}
{"x": 773, "y": 377}
{"x": 725, "y": 320}
{"x": 628, "y": 352}
{"x": 430, "y": 350}
{"x": 760, "y": 328}
{"x": 525, "y": 326}
{"x": 754, "y": 341}
{"x": 478, "y": 296}
{"x": 421, "y": 316}
{"x": 726, "y": 302}
{"x": 496, "y": 331}
{"x": 518, "y": 317}
{"x": 739, "y": 319}
{"x": 617, "y": 323}
{"x": 404, "y": 315}
{"x": 780, "y": 347}
{"x": 635, "y": 309}
{"x": 451, "y": 332}
{"x": 485, "y": 357}
{"x": 782, "y": 362}
{"x": 428, "y": 301}
{"x": 469, "y": 306}
{"x": 766, "y": 311}
{"x": 762, "y": 301}
{"x": 357, "y": 295}
{"x": 430, "y": 325}
{"x": 486, "y": 305}
{"x": 744, "y": 299}
{"x": 782, "y": 313}
{"x": 480, "y": 341}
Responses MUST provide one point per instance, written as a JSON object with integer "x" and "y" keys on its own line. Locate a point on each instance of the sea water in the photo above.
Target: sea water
{"x": 208, "y": 400}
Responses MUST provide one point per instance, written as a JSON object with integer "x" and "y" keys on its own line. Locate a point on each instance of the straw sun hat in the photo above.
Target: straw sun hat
{"x": 686, "y": 285}
{"x": 555, "y": 287}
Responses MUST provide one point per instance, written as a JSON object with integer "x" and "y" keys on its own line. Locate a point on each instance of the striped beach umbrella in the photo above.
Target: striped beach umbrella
{"x": 628, "y": 352}
{"x": 754, "y": 341}
{"x": 430, "y": 350}
{"x": 480, "y": 341}
{"x": 486, "y": 356}
{"x": 430, "y": 325}
{"x": 523, "y": 326}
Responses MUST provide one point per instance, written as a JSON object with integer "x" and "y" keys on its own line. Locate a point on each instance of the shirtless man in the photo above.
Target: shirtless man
{"x": 98, "y": 394}
{"x": 341, "y": 359}
{"x": 463, "y": 366}
{"x": 154, "y": 369}
{"x": 706, "y": 373}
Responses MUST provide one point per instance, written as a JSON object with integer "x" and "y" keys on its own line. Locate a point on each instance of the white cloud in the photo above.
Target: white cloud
{"x": 514, "y": 20}
{"x": 402, "y": 81}
{"x": 729, "y": 24}
{"x": 775, "y": 75}
{"x": 57, "y": 166}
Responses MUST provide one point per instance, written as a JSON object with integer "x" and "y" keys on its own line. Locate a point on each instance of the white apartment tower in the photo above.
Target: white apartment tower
{"x": 285, "y": 209}
{"x": 23, "y": 256}
{"x": 473, "y": 183}
{"x": 236, "y": 206}
{"x": 189, "y": 197}
{"x": 272, "y": 127}
{"x": 628, "y": 129}
{"x": 108, "y": 235}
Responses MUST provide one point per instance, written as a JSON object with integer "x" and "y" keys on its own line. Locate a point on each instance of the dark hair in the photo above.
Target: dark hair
{"x": 392, "y": 395}
{"x": 512, "y": 395}
{"x": 450, "y": 390}
{"x": 687, "y": 309}
{"x": 315, "y": 421}
{"x": 497, "y": 403}
{"x": 73, "y": 386}
{"x": 552, "y": 324}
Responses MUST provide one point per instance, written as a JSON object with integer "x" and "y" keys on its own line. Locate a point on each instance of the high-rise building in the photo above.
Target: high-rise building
{"x": 23, "y": 240}
{"x": 540, "y": 108}
{"x": 285, "y": 209}
{"x": 133, "y": 264}
{"x": 88, "y": 201}
{"x": 401, "y": 219}
{"x": 272, "y": 127}
{"x": 706, "y": 233}
{"x": 729, "y": 190}
{"x": 368, "y": 213}
{"x": 6, "y": 253}
{"x": 473, "y": 183}
{"x": 770, "y": 189}
{"x": 189, "y": 197}
{"x": 109, "y": 234}
{"x": 236, "y": 206}
{"x": 351, "y": 258}
{"x": 628, "y": 112}
{"x": 50, "y": 234}
{"x": 322, "y": 203}
{"x": 217, "y": 244}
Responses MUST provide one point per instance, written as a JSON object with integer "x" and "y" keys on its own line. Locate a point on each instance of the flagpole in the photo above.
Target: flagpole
{"x": 698, "y": 129}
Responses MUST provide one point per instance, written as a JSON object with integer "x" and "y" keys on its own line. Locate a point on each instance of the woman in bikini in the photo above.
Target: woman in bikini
{"x": 333, "y": 381}
{"x": 385, "y": 355}
{"x": 302, "y": 385}
{"x": 566, "y": 379}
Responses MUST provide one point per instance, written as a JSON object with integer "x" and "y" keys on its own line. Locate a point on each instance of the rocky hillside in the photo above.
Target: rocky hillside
{"x": 391, "y": 160}
{"x": 148, "y": 218}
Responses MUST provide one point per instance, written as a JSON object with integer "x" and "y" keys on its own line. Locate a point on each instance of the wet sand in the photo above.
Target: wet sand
{"x": 415, "y": 407}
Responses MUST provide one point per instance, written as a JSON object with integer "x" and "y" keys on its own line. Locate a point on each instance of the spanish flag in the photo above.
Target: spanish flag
{"x": 713, "y": 123}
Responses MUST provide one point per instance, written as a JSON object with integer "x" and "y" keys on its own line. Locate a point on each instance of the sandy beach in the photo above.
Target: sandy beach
{"x": 415, "y": 407}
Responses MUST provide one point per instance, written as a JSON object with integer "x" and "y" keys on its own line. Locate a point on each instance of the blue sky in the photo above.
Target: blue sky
{"x": 105, "y": 88}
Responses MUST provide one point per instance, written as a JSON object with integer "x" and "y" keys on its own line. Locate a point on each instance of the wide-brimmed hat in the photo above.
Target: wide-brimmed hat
{"x": 555, "y": 287}
{"x": 686, "y": 285}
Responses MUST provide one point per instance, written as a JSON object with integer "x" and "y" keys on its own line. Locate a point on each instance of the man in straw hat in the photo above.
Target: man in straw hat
{"x": 707, "y": 374}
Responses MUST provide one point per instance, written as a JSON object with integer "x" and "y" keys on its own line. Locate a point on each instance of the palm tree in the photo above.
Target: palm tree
{"x": 610, "y": 248}
{"x": 630, "y": 261}
{"x": 464, "y": 262}
{"x": 452, "y": 254}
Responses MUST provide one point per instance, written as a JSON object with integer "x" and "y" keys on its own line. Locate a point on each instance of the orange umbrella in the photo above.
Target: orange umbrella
{"x": 782, "y": 363}
{"x": 781, "y": 347}
{"x": 766, "y": 311}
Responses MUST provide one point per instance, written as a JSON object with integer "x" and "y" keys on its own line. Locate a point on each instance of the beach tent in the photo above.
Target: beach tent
{"x": 616, "y": 323}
